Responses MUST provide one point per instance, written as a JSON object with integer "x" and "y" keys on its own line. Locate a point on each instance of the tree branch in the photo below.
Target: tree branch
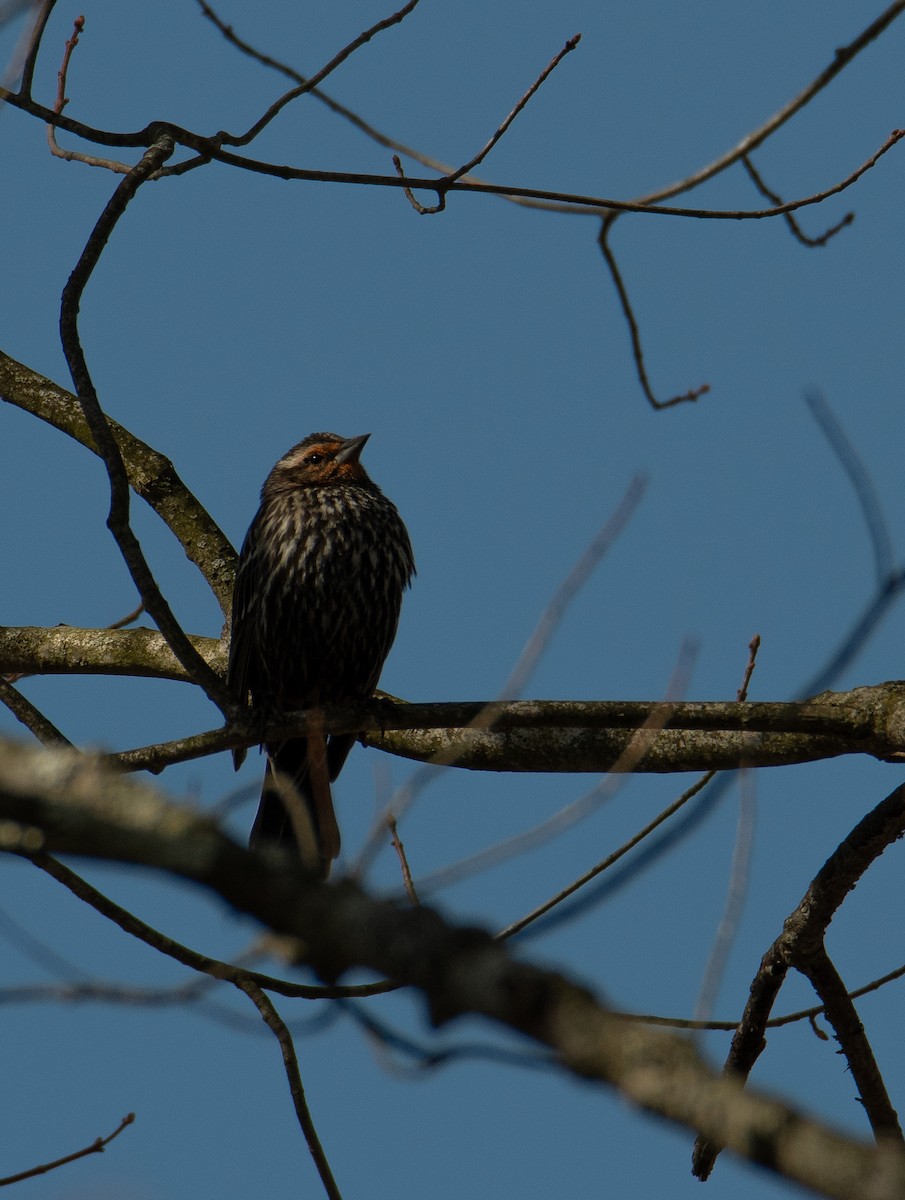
{"x": 71, "y": 650}
{"x": 801, "y": 945}
{"x": 151, "y": 475}
{"x": 118, "y": 519}
{"x": 54, "y": 802}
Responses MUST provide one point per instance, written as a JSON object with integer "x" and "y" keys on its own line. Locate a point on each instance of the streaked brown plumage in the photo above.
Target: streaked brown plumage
{"x": 315, "y": 607}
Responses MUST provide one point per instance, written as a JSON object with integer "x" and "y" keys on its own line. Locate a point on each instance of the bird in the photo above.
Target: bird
{"x": 316, "y": 602}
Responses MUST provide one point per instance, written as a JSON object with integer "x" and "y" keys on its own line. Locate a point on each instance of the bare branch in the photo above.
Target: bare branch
{"x": 96, "y": 1147}
{"x": 118, "y": 520}
{"x": 212, "y": 149}
{"x": 214, "y": 968}
{"x": 583, "y": 735}
{"x": 599, "y": 204}
{"x": 736, "y": 891}
{"x": 34, "y": 44}
{"x": 277, "y": 1027}
{"x": 423, "y": 210}
{"x": 753, "y": 648}
{"x": 841, "y": 59}
{"x": 69, "y": 650}
{"x": 579, "y": 809}
{"x": 32, "y": 718}
{"x": 90, "y": 160}
{"x": 501, "y": 129}
{"x": 801, "y": 944}
{"x": 862, "y": 484}
{"x": 603, "y": 241}
{"x": 796, "y": 229}
{"x": 151, "y": 475}
{"x": 552, "y": 616}
{"x": 525, "y": 665}
{"x": 71, "y": 806}
{"x": 842, "y": 1015}
{"x": 864, "y": 625}
{"x": 338, "y": 59}
{"x": 604, "y": 865}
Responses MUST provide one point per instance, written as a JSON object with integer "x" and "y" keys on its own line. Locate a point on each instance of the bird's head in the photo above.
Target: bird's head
{"x": 321, "y": 459}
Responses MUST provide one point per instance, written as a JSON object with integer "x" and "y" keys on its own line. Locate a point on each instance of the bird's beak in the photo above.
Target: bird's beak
{"x": 351, "y": 449}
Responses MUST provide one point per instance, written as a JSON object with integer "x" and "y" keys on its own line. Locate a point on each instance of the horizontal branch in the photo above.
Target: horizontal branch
{"x": 54, "y": 802}
{"x": 151, "y": 475}
{"x": 525, "y": 735}
{"x": 71, "y": 650}
{"x": 211, "y": 149}
{"x": 583, "y": 735}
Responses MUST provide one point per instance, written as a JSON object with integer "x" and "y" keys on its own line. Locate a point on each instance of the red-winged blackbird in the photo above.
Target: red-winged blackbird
{"x": 315, "y": 607}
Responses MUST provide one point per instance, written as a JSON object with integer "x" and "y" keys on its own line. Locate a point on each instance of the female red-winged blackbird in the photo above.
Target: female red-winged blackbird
{"x": 315, "y": 607}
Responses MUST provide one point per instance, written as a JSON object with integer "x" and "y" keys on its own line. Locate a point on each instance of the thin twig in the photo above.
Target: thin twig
{"x": 60, "y": 103}
{"x": 423, "y": 210}
{"x": 37, "y": 952}
{"x": 550, "y": 620}
{"x": 598, "y": 204}
{"x": 849, "y": 1032}
{"x": 841, "y": 59}
{"x": 215, "y": 968}
{"x": 96, "y": 1147}
{"x": 442, "y": 185}
{"x": 736, "y": 892}
{"x": 739, "y": 871}
{"x": 517, "y": 926}
{"x": 859, "y": 477}
{"x": 863, "y": 627}
{"x": 397, "y": 845}
{"x": 753, "y": 648}
{"x": 430, "y": 1057}
{"x": 118, "y": 519}
{"x": 890, "y": 579}
{"x": 277, "y": 1026}
{"x": 127, "y": 619}
{"x": 552, "y": 616}
{"x": 796, "y": 229}
{"x": 338, "y": 59}
{"x": 603, "y": 241}
{"x": 212, "y": 148}
{"x": 78, "y": 26}
{"x": 547, "y": 71}
{"x": 802, "y": 1014}
{"x": 34, "y": 44}
{"x": 32, "y": 718}
{"x": 275, "y": 64}
{"x": 634, "y": 753}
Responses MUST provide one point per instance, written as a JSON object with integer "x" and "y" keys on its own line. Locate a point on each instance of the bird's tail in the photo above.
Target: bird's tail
{"x": 296, "y": 809}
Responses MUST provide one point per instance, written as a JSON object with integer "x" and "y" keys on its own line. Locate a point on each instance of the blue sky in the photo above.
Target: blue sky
{"x": 485, "y": 351}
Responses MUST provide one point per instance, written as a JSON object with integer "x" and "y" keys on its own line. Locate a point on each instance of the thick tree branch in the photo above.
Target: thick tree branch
{"x": 70, "y": 650}
{"x": 801, "y": 945}
{"x": 55, "y": 802}
{"x": 151, "y": 475}
{"x": 526, "y": 735}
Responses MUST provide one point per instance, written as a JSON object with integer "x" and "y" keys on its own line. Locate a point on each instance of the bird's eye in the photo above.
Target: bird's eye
{"x": 313, "y": 459}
